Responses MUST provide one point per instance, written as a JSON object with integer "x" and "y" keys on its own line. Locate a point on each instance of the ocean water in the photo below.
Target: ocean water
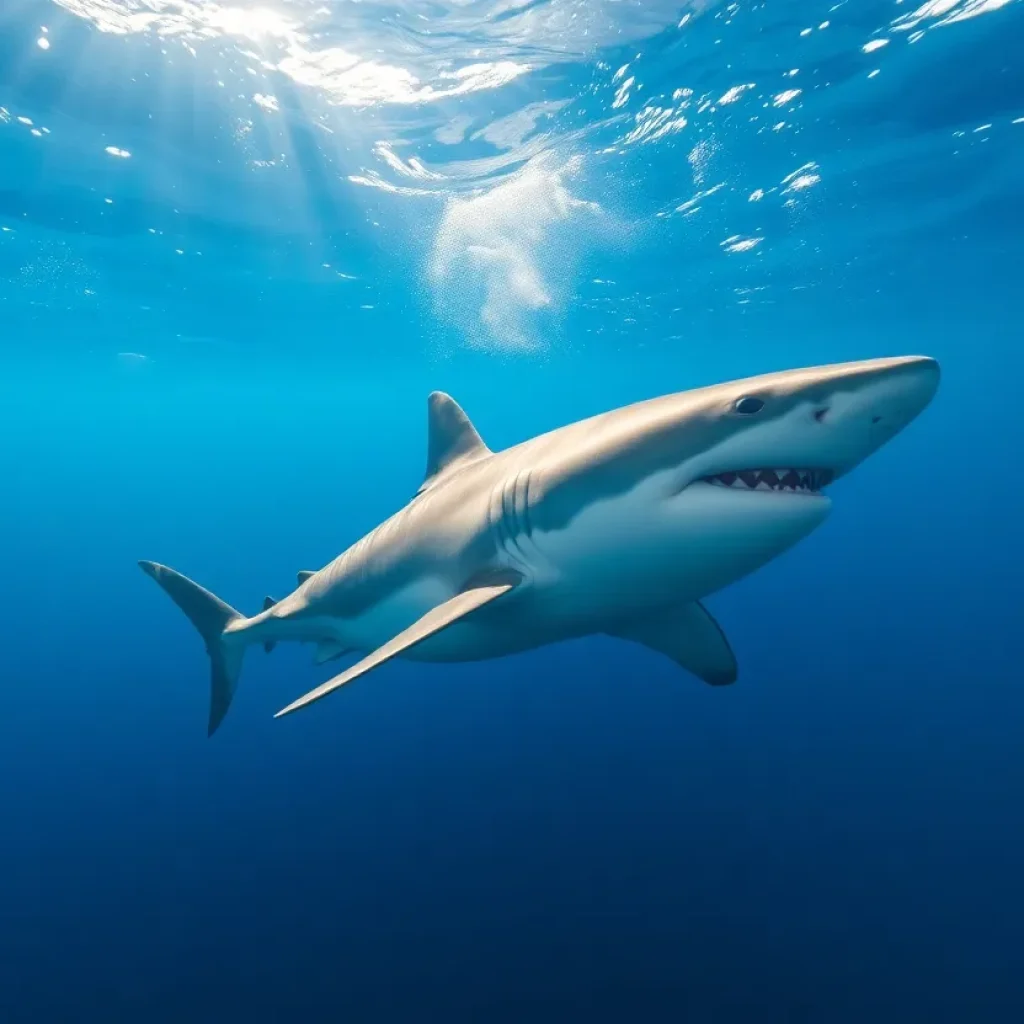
{"x": 239, "y": 245}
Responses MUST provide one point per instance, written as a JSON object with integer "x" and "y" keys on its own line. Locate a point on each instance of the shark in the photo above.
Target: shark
{"x": 618, "y": 524}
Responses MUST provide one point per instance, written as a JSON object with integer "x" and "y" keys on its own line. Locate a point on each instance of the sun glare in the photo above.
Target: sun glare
{"x": 257, "y": 25}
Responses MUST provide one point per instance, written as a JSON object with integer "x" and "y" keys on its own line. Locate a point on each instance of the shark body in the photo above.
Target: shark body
{"x": 617, "y": 524}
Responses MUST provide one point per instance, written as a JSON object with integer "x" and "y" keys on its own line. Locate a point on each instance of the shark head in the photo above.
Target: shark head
{"x": 791, "y": 434}
{"x": 715, "y": 482}
{"x": 767, "y": 448}
{"x": 785, "y": 437}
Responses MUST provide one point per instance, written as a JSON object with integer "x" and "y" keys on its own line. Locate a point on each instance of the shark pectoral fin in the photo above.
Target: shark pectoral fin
{"x": 690, "y": 637}
{"x": 303, "y": 574}
{"x": 328, "y": 650}
{"x": 433, "y": 622}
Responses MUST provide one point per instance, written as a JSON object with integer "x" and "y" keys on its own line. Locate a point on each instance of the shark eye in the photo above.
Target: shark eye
{"x": 748, "y": 406}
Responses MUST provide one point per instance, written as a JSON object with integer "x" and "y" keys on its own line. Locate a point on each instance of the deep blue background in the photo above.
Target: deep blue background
{"x": 580, "y": 832}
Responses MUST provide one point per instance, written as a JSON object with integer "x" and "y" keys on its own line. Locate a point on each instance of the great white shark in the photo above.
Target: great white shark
{"x": 619, "y": 524}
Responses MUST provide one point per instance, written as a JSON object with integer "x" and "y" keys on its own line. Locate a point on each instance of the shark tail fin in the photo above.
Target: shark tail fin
{"x": 211, "y": 616}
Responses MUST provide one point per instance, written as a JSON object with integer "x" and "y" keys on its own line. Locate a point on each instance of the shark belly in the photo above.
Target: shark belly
{"x": 645, "y": 550}
{"x": 619, "y": 557}
{"x": 638, "y": 552}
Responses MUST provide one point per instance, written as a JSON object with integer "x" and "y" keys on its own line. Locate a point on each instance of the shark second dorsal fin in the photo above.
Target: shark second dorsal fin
{"x": 451, "y": 439}
{"x": 303, "y": 574}
{"x": 689, "y": 636}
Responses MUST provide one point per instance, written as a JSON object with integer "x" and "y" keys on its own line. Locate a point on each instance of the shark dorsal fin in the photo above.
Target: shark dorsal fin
{"x": 451, "y": 439}
{"x": 303, "y": 574}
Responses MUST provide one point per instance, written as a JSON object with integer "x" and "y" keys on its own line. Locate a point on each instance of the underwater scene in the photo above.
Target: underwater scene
{"x": 512, "y": 511}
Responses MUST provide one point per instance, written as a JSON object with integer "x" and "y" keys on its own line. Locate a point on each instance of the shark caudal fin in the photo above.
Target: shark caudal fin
{"x": 211, "y": 616}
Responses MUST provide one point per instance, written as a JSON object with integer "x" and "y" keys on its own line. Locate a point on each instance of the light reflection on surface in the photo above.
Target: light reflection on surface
{"x": 498, "y": 140}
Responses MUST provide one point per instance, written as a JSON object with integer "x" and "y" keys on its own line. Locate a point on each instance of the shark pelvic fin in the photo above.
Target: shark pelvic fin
{"x": 451, "y": 439}
{"x": 303, "y": 574}
{"x": 689, "y": 636}
{"x": 328, "y": 650}
{"x": 434, "y": 621}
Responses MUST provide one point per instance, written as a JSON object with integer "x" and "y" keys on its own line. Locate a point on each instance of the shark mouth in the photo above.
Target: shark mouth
{"x": 793, "y": 481}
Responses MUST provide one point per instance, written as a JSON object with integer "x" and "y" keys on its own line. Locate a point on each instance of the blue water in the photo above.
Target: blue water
{"x": 239, "y": 247}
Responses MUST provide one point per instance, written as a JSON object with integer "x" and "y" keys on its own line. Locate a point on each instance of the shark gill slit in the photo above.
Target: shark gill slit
{"x": 510, "y": 520}
{"x": 526, "y": 542}
{"x": 504, "y": 523}
{"x": 527, "y": 524}
{"x": 519, "y": 534}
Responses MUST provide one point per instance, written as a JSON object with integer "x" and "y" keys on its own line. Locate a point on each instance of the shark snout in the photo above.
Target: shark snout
{"x": 905, "y": 389}
{"x": 888, "y": 395}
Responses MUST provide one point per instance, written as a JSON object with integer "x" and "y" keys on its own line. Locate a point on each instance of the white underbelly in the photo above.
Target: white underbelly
{"x": 617, "y": 558}
{"x": 648, "y": 548}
